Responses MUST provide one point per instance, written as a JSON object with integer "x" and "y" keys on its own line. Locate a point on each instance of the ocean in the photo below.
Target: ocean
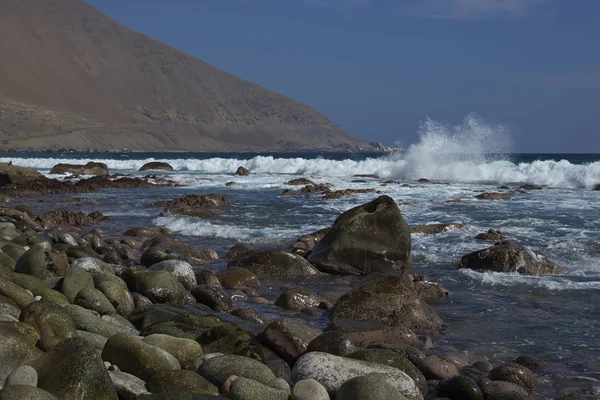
{"x": 491, "y": 316}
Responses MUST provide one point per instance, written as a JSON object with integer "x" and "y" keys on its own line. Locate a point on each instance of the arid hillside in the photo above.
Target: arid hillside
{"x": 71, "y": 77}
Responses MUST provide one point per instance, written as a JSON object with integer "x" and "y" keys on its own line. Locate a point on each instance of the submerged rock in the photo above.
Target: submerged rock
{"x": 156, "y": 165}
{"x": 91, "y": 168}
{"x": 373, "y": 237}
{"x": 510, "y": 257}
{"x": 493, "y": 196}
{"x": 241, "y": 171}
{"x": 276, "y": 263}
{"x": 14, "y": 174}
{"x": 434, "y": 228}
{"x": 69, "y": 218}
{"x": 194, "y": 205}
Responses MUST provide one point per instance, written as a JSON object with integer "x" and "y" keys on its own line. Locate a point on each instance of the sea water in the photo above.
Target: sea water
{"x": 492, "y": 316}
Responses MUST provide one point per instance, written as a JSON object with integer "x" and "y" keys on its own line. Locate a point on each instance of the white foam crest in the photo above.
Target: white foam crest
{"x": 544, "y": 282}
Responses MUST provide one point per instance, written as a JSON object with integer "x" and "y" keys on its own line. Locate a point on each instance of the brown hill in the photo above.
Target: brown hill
{"x": 72, "y": 77}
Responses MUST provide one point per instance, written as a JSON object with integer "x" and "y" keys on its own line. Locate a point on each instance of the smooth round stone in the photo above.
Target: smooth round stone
{"x": 128, "y": 386}
{"x": 23, "y": 375}
{"x": 182, "y": 270}
{"x": 280, "y": 384}
{"x": 530, "y": 362}
{"x": 161, "y": 287}
{"x": 119, "y": 297}
{"x": 43, "y": 262}
{"x": 289, "y": 338}
{"x": 89, "y": 321}
{"x": 25, "y": 392}
{"x": 248, "y": 389}
{"x": 186, "y": 351}
{"x": 236, "y": 277}
{"x": 309, "y": 389}
{"x": 95, "y": 300}
{"x": 248, "y": 315}
{"x": 91, "y": 264}
{"x": 436, "y": 367}
{"x": 16, "y": 293}
{"x": 483, "y": 366}
{"x": 332, "y": 342}
{"x": 502, "y": 389}
{"x": 51, "y": 320}
{"x": 459, "y": 388}
{"x": 368, "y": 387}
{"x": 76, "y": 280}
{"x": 515, "y": 373}
{"x": 186, "y": 381}
{"x": 218, "y": 369}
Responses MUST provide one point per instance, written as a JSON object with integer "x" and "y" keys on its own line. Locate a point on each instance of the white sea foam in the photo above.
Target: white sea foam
{"x": 540, "y": 282}
{"x": 462, "y": 153}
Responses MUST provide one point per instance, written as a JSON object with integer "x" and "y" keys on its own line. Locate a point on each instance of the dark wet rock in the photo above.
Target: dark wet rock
{"x": 236, "y": 277}
{"x": 299, "y": 182}
{"x": 43, "y": 262}
{"x": 265, "y": 355}
{"x": 247, "y": 389}
{"x": 301, "y": 298}
{"x": 214, "y": 297}
{"x": 14, "y": 292}
{"x": 91, "y": 168}
{"x": 493, "y": 196}
{"x": 161, "y": 287}
{"x": 515, "y": 373}
{"x": 316, "y": 188}
{"x": 277, "y": 263}
{"x": 69, "y": 218}
{"x": 137, "y": 357}
{"x": 391, "y": 300}
{"x": 193, "y": 205}
{"x": 333, "y": 371}
{"x": 93, "y": 299}
{"x": 491, "y": 236}
{"x": 358, "y": 181}
{"x": 306, "y": 243}
{"x": 368, "y": 387}
{"x": 436, "y": 367}
{"x": 483, "y": 366}
{"x": 238, "y": 250}
{"x": 218, "y": 369}
{"x": 530, "y": 362}
{"x": 181, "y": 380}
{"x": 424, "y": 180}
{"x": 333, "y": 342}
{"x": 186, "y": 351}
{"x": 457, "y": 201}
{"x": 14, "y": 174}
{"x": 502, "y": 390}
{"x": 141, "y": 232}
{"x": 393, "y": 359}
{"x": 17, "y": 346}
{"x": 339, "y": 194}
{"x": 433, "y": 229}
{"x": 161, "y": 248}
{"x": 156, "y": 165}
{"x": 73, "y": 369}
{"x": 51, "y": 321}
{"x": 597, "y": 187}
{"x": 248, "y": 314}
{"x": 531, "y": 187}
{"x": 207, "y": 277}
{"x": 241, "y": 171}
{"x": 187, "y": 326}
{"x": 372, "y": 176}
{"x": 459, "y": 388}
{"x": 289, "y": 338}
{"x": 508, "y": 256}
{"x": 369, "y": 238}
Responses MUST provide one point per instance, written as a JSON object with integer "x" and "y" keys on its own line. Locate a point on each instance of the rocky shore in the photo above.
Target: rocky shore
{"x": 138, "y": 314}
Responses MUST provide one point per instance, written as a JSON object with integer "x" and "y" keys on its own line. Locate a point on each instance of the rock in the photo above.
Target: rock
{"x": 95, "y": 300}
{"x": 134, "y": 356}
{"x": 160, "y": 287}
{"x": 73, "y": 370}
{"x": 61, "y": 218}
{"x": 301, "y": 298}
{"x": 370, "y": 238}
{"x": 160, "y": 248}
{"x": 597, "y": 187}
{"x": 248, "y": 389}
{"x": 493, "y": 196}
{"x": 289, "y": 338}
{"x": 241, "y": 171}
{"x": 436, "y": 367}
{"x": 299, "y": 182}
{"x": 238, "y": 250}
{"x": 332, "y": 342}
{"x": 226, "y": 339}
{"x": 15, "y": 175}
{"x": 510, "y": 257}
{"x": 339, "y": 194}
{"x": 332, "y": 371}
{"x": 433, "y": 229}
{"x": 17, "y": 346}
{"x": 24, "y": 392}
{"x": 91, "y": 264}
{"x": 530, "y": 187}
{"x": 51, "y": 321}
{"x": 236, "y": 277}
{"x": 194, "y": 205}
{"x": 248, "y": 314}
{"x": 392, "y": 359}
{"x": 186, "y": 351}
{"x": 180, "y": 269}
{"x": 129, "y": 387}
{"x": 391, "y": 300}
{"x": 9, "y": 307}
{"x": 530, "y": 362}
{"x": 43, "y": 262}
{"x": 15, "y": 293}
{"x": 281, "y": 384}
{"x": 491, "y": 236}
{"x": 459, "y": 388}
{"x": 185, "y": 381}
{"x": 89, "y": 321}
{"x": 91, "y": 168}
{"x": 515, "y": 373}
{"x": 156, "y": 165}
{"x": 218, "y": 369}
{"x": 75, "y": 280}
{"x": 502, "y": 390}
{"x": 277, "y": 263}
{"x": 214, "y": 297}
{"x": 118, "y": 295}
{"x": 309, "y": 389}
{"x": 321, "y": 187}
{"x": 23, "y": 375}
{"x": 368, "y": 387}
{"x": 96, "y": 341}
{"x": 306, "y": 243}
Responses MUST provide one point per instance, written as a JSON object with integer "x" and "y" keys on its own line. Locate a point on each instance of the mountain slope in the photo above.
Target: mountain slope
{"x": 73, "y": 77}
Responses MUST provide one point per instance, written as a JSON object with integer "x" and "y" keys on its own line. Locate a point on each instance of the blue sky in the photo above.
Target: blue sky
{"x": 380, "y": 67}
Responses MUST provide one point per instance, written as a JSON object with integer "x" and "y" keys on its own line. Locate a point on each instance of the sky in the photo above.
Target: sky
{"x": 379, "y": 68}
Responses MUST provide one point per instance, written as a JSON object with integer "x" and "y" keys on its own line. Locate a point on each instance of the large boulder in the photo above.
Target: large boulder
{"x": 333, "y": 371}
{"x": 15, "y": 175}
{"x": 393, "y": 301}
{"x": 373, "y": 237}
{"x": 74, "y": 370}
{"x": 91, "y": 168}
{"x": 156, "y": 165}
{"x": 508, "y": 256}
{"x": 43, "y": 262}
{"x": 51, "y": 321}
{"x": 277, "y": 263}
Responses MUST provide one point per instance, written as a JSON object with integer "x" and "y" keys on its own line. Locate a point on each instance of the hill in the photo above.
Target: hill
{"x": 71, "y": 77}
